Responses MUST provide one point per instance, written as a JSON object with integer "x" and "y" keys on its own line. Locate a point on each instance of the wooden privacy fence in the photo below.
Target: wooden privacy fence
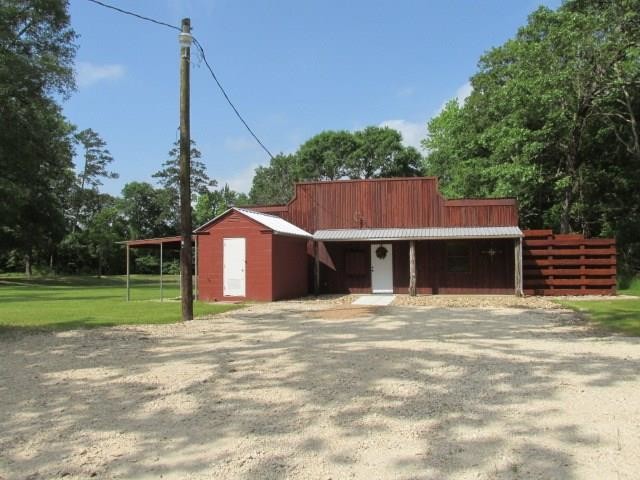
{"x": 568, "y": 264}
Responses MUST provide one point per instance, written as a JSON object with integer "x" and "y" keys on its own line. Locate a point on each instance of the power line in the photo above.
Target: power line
{"x": 206, "y": 62}
{"x": 141, "y": 17}
{"x": 204, "y": 58}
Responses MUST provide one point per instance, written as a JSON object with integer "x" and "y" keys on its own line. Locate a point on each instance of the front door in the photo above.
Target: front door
{"x": 233, "y": 270}
{"x": 381, "y": 268}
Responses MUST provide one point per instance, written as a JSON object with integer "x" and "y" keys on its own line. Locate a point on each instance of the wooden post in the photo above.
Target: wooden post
{"x": 128, "y": 292}
{"x": 583, "y": 277}
{"x": 195, "y": 279}
{"x": 517, "y": 254}
{"x": 316, "y": 269}
{"x": 412, "y": 268}
{"x": 161, "y": 293}
{"x": 186, "y": 277}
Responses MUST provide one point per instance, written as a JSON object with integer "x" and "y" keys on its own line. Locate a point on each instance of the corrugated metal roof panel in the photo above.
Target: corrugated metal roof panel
{"x": 277, "y": 224}
{"x": 434, "y": 233}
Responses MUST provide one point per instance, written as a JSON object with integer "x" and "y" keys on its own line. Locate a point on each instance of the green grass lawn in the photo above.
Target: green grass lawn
{"x": 617, "y": 315}
{"x": 82, "y": 302}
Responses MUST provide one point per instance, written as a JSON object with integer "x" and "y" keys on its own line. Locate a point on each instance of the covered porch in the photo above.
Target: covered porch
{"x": 475, "y": 260}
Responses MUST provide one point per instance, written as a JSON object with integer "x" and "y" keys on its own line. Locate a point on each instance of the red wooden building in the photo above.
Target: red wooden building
{"x": 362, "y": 236}
{"x": 244, "y": 254}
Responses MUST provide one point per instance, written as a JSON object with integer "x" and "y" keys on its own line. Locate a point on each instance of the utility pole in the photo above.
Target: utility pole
{"x": 186, "y": 279}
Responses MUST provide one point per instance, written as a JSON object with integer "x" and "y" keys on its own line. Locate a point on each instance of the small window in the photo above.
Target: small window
{"x": 458, "y": 257}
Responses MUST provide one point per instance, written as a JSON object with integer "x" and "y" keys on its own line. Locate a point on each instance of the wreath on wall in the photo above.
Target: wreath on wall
{"x": 381, "y": 252}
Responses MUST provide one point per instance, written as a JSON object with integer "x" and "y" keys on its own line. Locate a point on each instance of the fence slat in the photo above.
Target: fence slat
{"x": 571, "y": 251}
{"x": 547, "y": 256}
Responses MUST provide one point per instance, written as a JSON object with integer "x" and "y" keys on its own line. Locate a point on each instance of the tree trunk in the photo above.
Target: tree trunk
{"x": 571, "y": 163}
{"x": 28, "y": 271}
{"x": 565, "y": 222}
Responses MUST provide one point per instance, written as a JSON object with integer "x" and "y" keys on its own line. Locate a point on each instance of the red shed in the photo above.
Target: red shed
{"x": 244, "y": 254}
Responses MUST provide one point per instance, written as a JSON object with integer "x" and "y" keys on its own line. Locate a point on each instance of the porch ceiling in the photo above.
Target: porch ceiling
{"x": 433, "y": 233}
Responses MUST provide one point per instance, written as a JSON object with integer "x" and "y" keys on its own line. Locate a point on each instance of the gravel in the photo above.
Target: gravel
{"x": 307, "y": 390}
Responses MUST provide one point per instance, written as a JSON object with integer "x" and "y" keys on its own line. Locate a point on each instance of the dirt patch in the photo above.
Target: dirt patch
{"x": 334, "y": 299}
{"x": 342, "y": 313}
{"x": 476, "y": 301}
{"x": 284, "y": 390}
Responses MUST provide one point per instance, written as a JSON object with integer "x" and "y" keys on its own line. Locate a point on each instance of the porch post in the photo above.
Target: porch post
{"x": 161, "y": 271}
{"x": 517, "y": 254}
{"x": 128, "y": 292}
{"x": 195, "y": 255}
{"x": 316, "y": 269}
{"x": 412, "y": 268}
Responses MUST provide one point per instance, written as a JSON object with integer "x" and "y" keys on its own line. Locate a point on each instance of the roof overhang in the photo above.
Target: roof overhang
{"x": 432, "y": 233}
{"x": 277, "y": 225}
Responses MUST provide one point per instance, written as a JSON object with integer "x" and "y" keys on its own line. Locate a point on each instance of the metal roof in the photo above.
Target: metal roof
{"x": 272, "y": 222}
{"x": 433, "y": 233}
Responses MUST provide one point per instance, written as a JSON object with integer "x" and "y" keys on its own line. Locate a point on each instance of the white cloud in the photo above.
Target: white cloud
{"x": 463, "y": 92}
{"x": 242, "y": 181}
{"x": 461, "y": 95}
{"x": 88, "y": 73}
{"x": 412, "y": 132}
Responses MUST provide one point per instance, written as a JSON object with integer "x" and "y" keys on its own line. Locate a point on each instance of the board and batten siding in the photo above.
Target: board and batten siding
{"x": 258, "y": 269}
{"x": 388, "y": 203}
{"x": 491, "y": 268}
{"x": 276, "y": 265}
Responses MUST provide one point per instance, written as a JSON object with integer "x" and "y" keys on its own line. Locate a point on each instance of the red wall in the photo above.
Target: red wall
{"x": 290, "y": 267}
{"x": 333, "y": 275}
{"x": 390, "y": 202}
{"x": 258, "y": 258}
{"x": 488, "y": 275}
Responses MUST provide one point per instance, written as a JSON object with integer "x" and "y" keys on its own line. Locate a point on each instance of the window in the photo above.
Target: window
{"x": 458, "y": 257}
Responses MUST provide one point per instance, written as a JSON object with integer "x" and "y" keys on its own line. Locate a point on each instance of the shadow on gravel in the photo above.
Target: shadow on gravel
{"x": 88, "y": 386}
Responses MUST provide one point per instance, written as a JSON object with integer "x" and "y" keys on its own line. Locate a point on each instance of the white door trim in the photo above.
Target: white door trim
{"x": 382, "y": 269}
{"x": 234, "y": 282}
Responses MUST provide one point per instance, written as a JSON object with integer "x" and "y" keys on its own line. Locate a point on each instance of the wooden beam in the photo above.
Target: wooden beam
{"x": 128, "y": 291}
{"x": 517, "y": 254}
{"x": 316, "y": 269}
{"x": 161, "y": 255}
{"x": 195, "y": 279}
{"x": 412, "y": 268}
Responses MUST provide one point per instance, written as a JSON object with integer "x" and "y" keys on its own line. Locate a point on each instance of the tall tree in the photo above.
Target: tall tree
{"x": 147, "y": 211}
{"x": 36, "y": 55}
{"x": 325, "y": 156}
{"x": 96, "y": 159}
{"x": 552, "y": 119}
{"x": 213, "y": 203}
{"x": 331, "y": 155}
{"x": 168, "y": 178}
{"x": 273, "y": 184}
{"x": 379, "y": 153}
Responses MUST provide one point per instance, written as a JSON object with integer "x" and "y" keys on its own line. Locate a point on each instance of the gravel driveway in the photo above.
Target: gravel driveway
{"x": 319, "y": 391}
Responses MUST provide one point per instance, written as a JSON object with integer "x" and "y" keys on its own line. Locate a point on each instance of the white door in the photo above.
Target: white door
{"x": 233, "y": 259}
{"x": 381, "y": 268}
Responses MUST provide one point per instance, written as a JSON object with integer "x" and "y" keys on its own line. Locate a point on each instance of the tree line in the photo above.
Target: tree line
{"x": 53, "y": 214}
{"x": 373, "y": 152}
{"x": 552, "y": 120}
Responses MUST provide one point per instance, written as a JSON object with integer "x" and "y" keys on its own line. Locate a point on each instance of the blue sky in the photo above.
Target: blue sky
{"x": 294, "y": 68}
